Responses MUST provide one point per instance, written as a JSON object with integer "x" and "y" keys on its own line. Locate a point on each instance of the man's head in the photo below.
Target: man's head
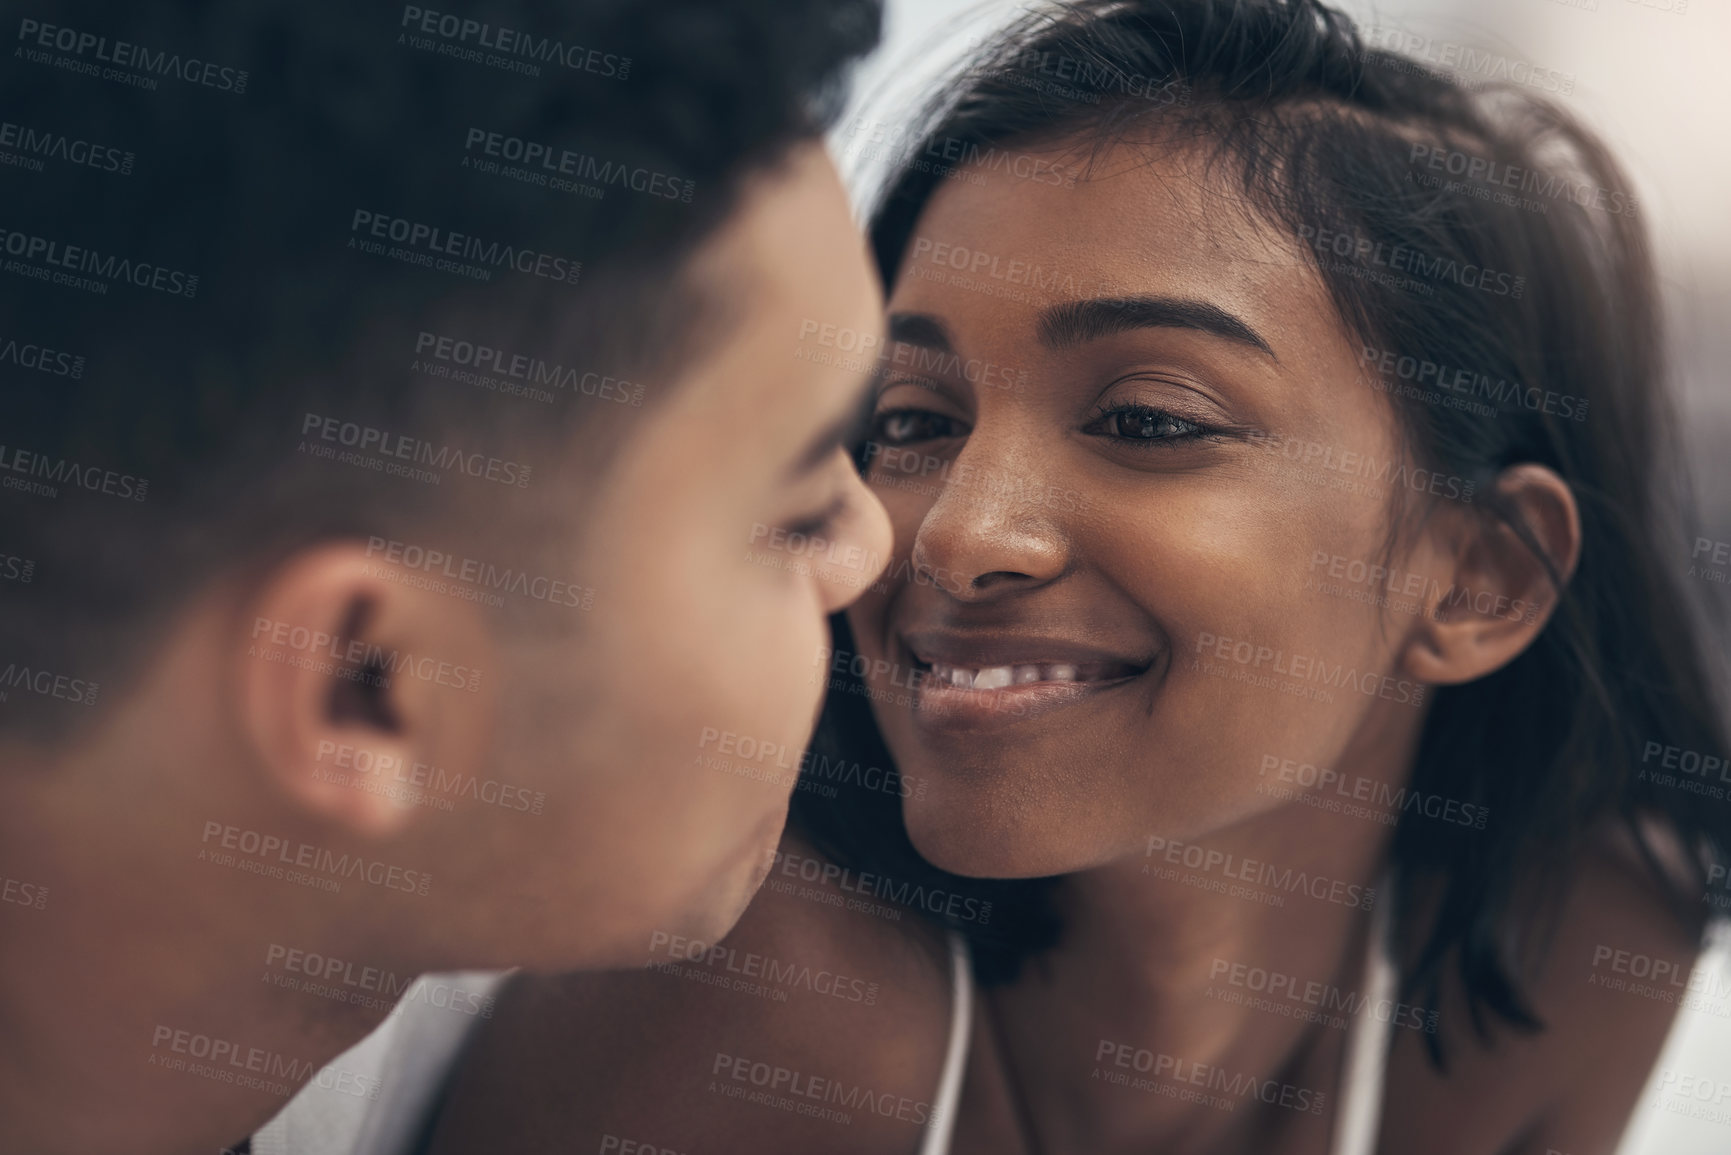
{"x": 422, "y": 433}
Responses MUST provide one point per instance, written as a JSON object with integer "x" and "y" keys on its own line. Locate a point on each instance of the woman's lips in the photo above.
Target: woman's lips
{"x": 1023, "y": 674}
{"x": 954, "y": 689}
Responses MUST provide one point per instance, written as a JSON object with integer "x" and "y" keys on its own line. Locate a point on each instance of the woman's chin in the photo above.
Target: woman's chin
{"x": 972, "y": 844}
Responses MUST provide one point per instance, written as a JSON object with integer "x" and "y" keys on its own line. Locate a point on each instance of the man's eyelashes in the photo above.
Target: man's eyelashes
{"x": 819, "y": 523}
{"x": 907, "y": 426}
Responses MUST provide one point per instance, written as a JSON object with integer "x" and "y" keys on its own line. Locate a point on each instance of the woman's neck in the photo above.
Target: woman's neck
{"x": 1200, "y": 967}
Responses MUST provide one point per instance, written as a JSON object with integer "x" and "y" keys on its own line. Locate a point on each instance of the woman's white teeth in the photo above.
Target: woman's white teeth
{"x": 997, "y": 677}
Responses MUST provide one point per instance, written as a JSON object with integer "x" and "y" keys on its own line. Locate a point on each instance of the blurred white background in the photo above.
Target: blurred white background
{"x": 1655, "y": 83}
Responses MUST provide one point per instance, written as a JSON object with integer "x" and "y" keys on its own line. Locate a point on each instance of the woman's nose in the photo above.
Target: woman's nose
{"x": 991, "y": 529}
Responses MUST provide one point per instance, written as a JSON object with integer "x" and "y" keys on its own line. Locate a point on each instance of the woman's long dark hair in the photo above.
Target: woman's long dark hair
{"x": 1317, "y": 132}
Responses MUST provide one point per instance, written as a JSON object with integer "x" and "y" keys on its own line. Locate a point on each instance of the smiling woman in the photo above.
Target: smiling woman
{"x": 1230, "y": 396}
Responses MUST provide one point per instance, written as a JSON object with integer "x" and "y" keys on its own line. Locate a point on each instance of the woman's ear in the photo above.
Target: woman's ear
{"x": 353, "y": 687}
{"x": 1500, "y": 594}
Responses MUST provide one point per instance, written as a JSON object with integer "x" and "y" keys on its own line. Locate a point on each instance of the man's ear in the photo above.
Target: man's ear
{"x": 352, "y": 686}
{"x": 1499, "y": 595}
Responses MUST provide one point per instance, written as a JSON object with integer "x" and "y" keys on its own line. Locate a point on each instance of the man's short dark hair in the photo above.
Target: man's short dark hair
{"x": 280, "y": 270}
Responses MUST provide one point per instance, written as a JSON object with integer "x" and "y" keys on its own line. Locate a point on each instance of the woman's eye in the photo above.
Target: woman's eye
{"x": 1143, "y": 423}
{"x": 907, "y": 426}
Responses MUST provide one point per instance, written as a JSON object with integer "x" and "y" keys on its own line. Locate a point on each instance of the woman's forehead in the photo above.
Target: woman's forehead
{"x": 1133, "y": 205}
{"x": 1141, "y": 223}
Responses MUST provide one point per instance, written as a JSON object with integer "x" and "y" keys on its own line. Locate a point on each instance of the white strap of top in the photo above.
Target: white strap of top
{"x": 1360, "y": 1111}
{"x": 942, "y": 1123}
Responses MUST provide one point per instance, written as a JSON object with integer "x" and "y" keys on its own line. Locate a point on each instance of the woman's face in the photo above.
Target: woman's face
{"x": 1136, "y": 483}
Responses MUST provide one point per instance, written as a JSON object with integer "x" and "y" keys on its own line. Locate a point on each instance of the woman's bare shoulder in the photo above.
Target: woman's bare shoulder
{"x": 1607, "y": 991}
{"x": 818, "y": 1024}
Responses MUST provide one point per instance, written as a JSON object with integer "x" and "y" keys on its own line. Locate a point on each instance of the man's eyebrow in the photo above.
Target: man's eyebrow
{"x": 1072, "y": 323}
{"x": 920, "y": 329}
{"x": 843, "y": 433}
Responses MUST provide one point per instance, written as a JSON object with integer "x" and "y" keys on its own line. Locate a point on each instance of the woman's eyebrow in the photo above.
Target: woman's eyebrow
{"x": 1072, "y": 323}
{"x": 921, "y": 329}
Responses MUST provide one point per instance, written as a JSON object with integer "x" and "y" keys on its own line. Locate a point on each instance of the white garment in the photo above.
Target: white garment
{"x": 407, "y": 1058}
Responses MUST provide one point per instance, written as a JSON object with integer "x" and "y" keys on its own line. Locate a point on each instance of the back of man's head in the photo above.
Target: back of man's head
{"x": 242, "y": 238}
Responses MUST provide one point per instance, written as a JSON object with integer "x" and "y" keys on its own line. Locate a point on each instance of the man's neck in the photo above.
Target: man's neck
{"x": 187, "y": 1043}
{"x": 151, "y": 1003}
